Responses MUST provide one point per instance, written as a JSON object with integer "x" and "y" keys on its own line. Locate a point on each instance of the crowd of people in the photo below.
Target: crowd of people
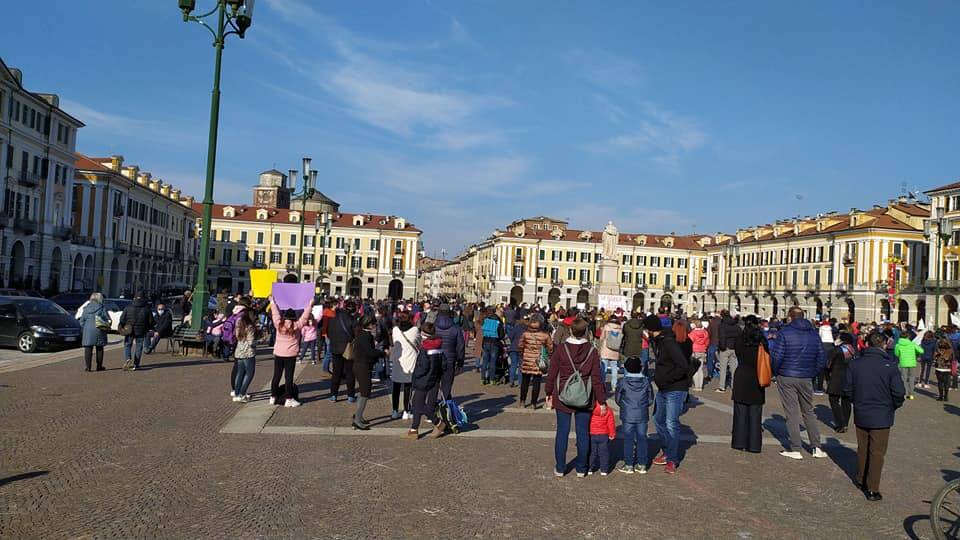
{"x": 590, "y": 364}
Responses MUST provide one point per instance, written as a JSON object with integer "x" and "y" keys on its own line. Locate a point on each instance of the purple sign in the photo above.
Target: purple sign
{"x": 292, "y": 295}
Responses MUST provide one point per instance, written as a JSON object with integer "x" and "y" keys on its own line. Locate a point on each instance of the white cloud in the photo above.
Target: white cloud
{"x": 659, "y": 134}
{"x": 606, "y": 70}
{"x": 121, "y": 126}
{"x": 454, "y": 139}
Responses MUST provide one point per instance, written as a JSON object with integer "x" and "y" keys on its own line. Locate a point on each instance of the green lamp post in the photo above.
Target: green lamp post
{"x": 309, "y": 188}
{"x": 940, "y": 230}
{"x": 232, "y": 17}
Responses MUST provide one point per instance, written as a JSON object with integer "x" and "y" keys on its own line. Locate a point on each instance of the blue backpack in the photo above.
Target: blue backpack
{"x": 451, "y": 414}
{"x": 491, "y": 328}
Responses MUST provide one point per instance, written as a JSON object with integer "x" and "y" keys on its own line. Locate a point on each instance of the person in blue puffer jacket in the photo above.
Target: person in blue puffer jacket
{"x": 796, "y": 356}
{"x": 514, "y": 336}
{"x": 634, "y": 396}
{"x": 453, "y": 349}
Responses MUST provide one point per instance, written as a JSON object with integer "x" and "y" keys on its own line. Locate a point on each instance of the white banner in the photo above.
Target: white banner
{"x": 611, "y": 302}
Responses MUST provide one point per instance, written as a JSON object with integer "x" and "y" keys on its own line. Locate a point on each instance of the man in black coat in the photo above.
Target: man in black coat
{"x": 874, "y": 385}
{"x": 727, "y": 356}
{"x": 672, "y": 376}
{"x": 138, "y": 320}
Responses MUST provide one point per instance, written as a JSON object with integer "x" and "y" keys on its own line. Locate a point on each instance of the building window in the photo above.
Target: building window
{"x": 260, "y": 237}
{"x": 398, "y": 247}
{"x": 308, "y": 259}
{"x": 291, "y": 258}
{"x": 625, "y": 277}
{"x": 375, "y": 244}
{"x": 554, "y": 274}
{"x": 654, "y": 261}
{"x": 396, "y": 264}
{"x": 653, "y": 279}
{"x": 543, "y": 255}
{"x": 371, "y": 262}
{"x": 571, "y": 274}
{"x": 584, "y": 256}
{"x": 554, "y": 255}
{"x": 355, "y": 263}
{"x": 541, "y": 272}
{"x": 571, "y": 256}
{"x": 518, "y": 255}
{"x": 308, "y": 240}
{"x": 668, "y": 262}
{"x": 275, "y": 257}
{"x": 340, "y": 243}
{"x": 293, "y": 239}
{"x": 517, "y": 271}
{"x": 584, "y": 275}
{"x": 259, "y": 257}
{"x": 224, "y": 236}
{"x": 276, "y": 239}
{"x": 243, "y": 255}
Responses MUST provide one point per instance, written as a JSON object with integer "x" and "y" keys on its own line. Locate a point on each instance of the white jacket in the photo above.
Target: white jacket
{"x": 403, "y": 354}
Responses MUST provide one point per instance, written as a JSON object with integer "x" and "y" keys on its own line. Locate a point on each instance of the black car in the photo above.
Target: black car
{"x": 70, "y": 301}
{"x": 36, "y": 323}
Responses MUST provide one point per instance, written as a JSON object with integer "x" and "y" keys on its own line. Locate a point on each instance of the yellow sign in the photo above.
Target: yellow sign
{"x": 261, "y": 281}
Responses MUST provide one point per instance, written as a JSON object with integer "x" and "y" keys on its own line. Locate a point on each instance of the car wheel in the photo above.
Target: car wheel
{"x": 27, "y": 343}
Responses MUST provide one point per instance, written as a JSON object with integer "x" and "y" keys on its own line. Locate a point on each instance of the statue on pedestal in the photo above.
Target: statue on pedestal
{"x": 611, "y": 237}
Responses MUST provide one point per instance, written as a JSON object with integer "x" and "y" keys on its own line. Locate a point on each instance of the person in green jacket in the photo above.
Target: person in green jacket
{"x": 907, "y": 352}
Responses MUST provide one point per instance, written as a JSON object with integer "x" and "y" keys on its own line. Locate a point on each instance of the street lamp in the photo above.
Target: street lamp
{"x": 323, "y": 222}
{"x": 732, "y": 251}
{"x": 309, "y": 188}
{"x": 232, "y": 17}
{"x": 943, "y": 232}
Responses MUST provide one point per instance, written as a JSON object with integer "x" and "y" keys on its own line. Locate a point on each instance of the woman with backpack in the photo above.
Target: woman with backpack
{"x": 403, "y": 358}
{"x": 94, "y": 320}
{"x": 285, "y": 349}
{"x": 535, "y": 349}
{"x": 611, "y": 339}
{"x": 426, "y": 382}
{"x": 748, "y": 396}
{"x": 574, "y": 385}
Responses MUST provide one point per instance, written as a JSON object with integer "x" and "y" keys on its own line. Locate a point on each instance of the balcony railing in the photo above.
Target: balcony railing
{"x": 24, "y": 225}
{"x": 640, "y": 286}
{"x": 62, "y": 233}
{"x": 398, "y": 274}
{"x": 881, "y": 287}
{"x": 356, "y": 271}
{"x": 848, "y": 259}
{"x": 669, "y": 288}
{"x": 28, "y": 179}
{"x": 556, "y": 282}
{"x": 942, "y": 284}
{"x": 586, "y": 284}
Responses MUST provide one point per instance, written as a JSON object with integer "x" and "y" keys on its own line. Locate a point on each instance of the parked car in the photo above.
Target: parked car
{"x": 70, "y": 301}
{"x": 18, "y": 292}
{"x": 115, "y": 309}
{"x": 36, "y": 323}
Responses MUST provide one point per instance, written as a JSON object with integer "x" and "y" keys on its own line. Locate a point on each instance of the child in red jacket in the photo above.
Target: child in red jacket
{"x": 603, "y": 429}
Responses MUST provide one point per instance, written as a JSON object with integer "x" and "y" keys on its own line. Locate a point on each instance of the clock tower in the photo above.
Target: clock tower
{"x": 272, "y": 191}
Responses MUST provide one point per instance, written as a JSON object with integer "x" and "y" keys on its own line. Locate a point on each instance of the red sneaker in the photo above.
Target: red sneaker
{"x": 671, "y": 468}
{"x": 660, "y": 459}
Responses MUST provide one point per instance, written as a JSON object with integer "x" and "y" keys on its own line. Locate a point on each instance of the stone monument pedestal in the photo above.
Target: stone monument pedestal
{"x": 609, "y": 283}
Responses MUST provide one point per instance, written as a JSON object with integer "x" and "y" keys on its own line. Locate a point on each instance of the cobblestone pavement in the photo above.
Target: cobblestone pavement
{"x": 142, "y": 454}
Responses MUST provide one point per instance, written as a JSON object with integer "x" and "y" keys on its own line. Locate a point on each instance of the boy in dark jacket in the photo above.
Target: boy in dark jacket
{"x": 874, "y": 385}
{"x": 633, "y": 397}
{"x": 426, "y": 380}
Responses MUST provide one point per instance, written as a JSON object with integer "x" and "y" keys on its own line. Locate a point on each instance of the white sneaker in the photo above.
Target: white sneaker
{"x": 273, "y": 401}
{"x": 291, "y": 403}
{"x": 791, "y": 454}
{"x": 603, "y": 474}
{"x": 233, "y": 393}
{"x": 407, "y": 415}
{"x": 818, "y": 453}
{"x": 237, "y": 398}
{"x": 640, "y": 469}
{"x": 245, "y": 398}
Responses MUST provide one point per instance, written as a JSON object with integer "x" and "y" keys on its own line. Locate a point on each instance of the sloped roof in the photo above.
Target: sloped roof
{"x": 955, "y": 185}
{"x": 84, "y": 163}
{"x": 626, "y": 239}
{"x": 246, "y": 213}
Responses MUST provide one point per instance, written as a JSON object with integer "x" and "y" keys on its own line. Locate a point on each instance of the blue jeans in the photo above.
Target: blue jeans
{"x": 246, "y": 367}
{"x": 134, "y": 345}
{"x": 308, "y": 346}
{"x": 514, "y": 367}
{"x": 582, "y": 421}
{"x": 712, "y": 361}
{"x": 667, "y": 419}
{"x": 491, "y": 350}
{"x": 612, "y": 368}
{"x": 327, "y": 354}
{"x": 634, "y": 443}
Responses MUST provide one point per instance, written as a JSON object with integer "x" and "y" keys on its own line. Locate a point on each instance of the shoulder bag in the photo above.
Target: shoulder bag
{"x": 764, "y": 371}
{"x": 348, "y": 350}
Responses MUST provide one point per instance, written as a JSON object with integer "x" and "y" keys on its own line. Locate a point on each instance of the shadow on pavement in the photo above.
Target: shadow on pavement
{"x": 777, "y": 426}
{"x": 844, "y": 458}
{"x": 910, "y": 526}
{"x": 488, "y": 408}
{"x": 952, "y": 409}
{"x": 824, "y": 414}
{"x": 22, "y": 476}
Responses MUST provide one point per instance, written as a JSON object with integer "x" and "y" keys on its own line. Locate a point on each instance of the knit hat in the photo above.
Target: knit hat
{"x": 633, "y": 365}
{"x": 652, "y": 324}
{"x": 289, "y": 315}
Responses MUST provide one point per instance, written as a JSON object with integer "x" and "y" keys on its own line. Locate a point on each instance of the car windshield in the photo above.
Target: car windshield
{"x": 38, "y": 306}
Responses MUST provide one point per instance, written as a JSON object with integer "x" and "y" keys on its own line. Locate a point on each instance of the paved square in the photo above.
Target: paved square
{"x": 162, "y": 452}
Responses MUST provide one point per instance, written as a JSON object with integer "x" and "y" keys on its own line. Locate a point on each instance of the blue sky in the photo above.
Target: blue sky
{"x": 460, "y": 116}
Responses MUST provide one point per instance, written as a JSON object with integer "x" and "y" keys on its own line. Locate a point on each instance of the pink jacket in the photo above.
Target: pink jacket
{"x": 288, "y": 344}
{"x": 309, "y": 332}
{"x": 701, "y": 339}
